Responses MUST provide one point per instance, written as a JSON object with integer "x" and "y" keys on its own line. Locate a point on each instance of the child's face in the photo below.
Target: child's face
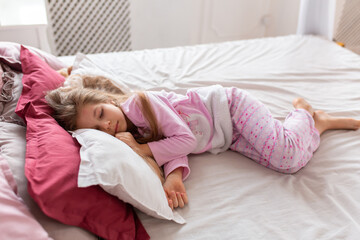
{"x": 103, "y": 116}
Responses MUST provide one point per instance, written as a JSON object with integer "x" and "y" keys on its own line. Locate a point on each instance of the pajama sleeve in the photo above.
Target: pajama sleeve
{"x": 174, "y": 164}
{"x": 178, "y": 141}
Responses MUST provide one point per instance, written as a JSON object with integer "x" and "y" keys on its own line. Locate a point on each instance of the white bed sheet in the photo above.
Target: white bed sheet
{"x": 231, "y": 197}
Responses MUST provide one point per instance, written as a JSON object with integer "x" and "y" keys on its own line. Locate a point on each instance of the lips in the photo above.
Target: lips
{"x": 116, "y": 127}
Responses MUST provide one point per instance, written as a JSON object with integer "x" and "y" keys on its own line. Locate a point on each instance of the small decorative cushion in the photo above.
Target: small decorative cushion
{"x": 52, "y": 163}
{"x": 9, "y": 95}
{"x": 110, "y": 163}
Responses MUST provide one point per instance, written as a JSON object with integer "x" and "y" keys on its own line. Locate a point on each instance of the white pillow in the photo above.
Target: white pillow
{"x": 83, "y": 65}
{"x": 110, "y": 163}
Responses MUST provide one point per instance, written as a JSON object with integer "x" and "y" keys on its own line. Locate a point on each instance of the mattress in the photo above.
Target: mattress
{"x": 232, "y": 197}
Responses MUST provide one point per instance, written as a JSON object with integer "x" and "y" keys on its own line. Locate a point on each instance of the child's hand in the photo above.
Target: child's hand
{"x": 175, "y": 189}
{"x": 128, "y": 138}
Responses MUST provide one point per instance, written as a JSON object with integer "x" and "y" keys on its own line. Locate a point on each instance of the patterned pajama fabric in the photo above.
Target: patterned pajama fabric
{"x": 284, "y": 147}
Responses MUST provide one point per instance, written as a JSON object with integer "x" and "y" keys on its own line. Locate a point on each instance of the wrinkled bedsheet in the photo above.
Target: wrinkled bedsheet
{"x": 232, "y": 197}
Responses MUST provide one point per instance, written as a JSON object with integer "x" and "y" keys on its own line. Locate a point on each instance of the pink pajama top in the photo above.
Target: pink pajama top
{"x": 193, "y": 123}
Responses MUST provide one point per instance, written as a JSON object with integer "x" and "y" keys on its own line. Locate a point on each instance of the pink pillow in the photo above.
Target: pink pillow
{"x": 52, "y": 164}
{"x": 10, "y": 55}
{"x": 17, "y": 222}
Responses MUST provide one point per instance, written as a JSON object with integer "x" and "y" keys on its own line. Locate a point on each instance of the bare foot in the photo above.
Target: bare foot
{"x": 324, "y": 121}
{"x": 300, "y": 103}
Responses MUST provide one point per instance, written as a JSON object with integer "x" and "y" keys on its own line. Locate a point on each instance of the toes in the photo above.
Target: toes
{"x": 296, "y": 101}
{"x": 300, "y": 103}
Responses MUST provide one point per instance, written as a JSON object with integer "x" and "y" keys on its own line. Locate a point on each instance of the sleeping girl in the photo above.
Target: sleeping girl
{"x": 167, "y": 127}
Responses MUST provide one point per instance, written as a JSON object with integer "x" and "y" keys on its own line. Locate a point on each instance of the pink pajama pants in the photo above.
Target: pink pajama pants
{"x": 284, "y": 147}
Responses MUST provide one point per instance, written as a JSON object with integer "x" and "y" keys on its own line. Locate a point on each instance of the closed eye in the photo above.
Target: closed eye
{"x": 101, "y": 113}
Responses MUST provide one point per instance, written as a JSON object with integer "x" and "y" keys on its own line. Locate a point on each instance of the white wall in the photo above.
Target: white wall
{"x": 168, "y": 23}
{"x": 22, "y": 12}
{"x": 165, "y": 23}
{"x": 24, "y": 22}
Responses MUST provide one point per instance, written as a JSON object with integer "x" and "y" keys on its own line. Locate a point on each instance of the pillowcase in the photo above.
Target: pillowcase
{"x": 14, "y": 212}
{"x": 52, "y": 162}
{"x": 12, "y": 145}
{"x": 84, "y": 66}
{"x": 10, "y": 55}
{"x": 110, "y": 163}
{"x": 9, "y": 95}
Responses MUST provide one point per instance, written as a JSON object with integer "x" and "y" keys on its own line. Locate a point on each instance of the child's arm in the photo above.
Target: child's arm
{"x": 178, "y": 140}
{"x": 175, "y": 189}
{"x": 129, "y": 139}
{"x": 173, "y": 186}
{"x": 143, "y": 150}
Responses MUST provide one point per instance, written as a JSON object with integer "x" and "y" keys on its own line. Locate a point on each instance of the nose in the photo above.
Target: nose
{"x": 105, "y": 126}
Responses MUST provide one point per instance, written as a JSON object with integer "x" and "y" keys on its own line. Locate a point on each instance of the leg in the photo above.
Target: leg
{"x": 284, "y": 147}
{"x": 324, "y": 121}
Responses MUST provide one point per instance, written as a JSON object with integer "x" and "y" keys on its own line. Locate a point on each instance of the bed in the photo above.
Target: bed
{"x": 230, "y": 196}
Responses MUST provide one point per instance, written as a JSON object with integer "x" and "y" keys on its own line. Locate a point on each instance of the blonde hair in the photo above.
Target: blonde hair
{"x": 87, "y": 89}
{"x": 67, "y": 100}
